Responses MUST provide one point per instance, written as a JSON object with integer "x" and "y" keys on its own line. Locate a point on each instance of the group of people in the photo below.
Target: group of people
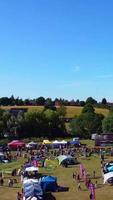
{"x": 44, "y": 151}
{"x": 10, "y": 182}
{"x": 76, "y": 176}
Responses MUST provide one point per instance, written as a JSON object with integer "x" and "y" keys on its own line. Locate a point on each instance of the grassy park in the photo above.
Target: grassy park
{"x": 56, "y": 100}
{"x": 64, "y": 176}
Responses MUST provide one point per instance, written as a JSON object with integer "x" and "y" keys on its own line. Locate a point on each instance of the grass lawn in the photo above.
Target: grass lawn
{"x": 64, "y": 176}
{"x": 71, "y": 110}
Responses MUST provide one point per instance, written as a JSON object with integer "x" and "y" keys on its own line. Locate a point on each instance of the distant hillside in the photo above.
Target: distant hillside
{"x": 75, "y": 110}
{"x": 71, "y": 110}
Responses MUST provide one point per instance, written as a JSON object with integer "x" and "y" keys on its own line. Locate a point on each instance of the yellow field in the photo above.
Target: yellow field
{"x": 71, "y": 110}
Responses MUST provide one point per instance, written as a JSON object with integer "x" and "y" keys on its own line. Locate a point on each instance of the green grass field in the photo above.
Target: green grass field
{"x": 71, "y": 110}
{"x": 64, "y": 176}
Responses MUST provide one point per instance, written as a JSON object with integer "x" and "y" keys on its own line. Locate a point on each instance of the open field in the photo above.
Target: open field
{"x": 64, "y": 176}
{"x": 71, "y": 110}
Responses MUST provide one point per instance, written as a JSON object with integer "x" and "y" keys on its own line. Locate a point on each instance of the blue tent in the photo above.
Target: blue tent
{"x": 76, "y": 142}
{"x": 49, "y": 184}
{"x": 110, "y": 168}
{"x": 32, "y": 189}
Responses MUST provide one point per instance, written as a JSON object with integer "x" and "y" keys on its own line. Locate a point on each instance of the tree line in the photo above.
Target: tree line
{"x": 49, "y": 123}
{"x": 46, "y": 123}
{"x": 41, "y": 101}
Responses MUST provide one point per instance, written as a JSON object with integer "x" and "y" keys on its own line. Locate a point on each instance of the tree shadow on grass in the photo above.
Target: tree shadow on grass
{"x": 49, "y": 196}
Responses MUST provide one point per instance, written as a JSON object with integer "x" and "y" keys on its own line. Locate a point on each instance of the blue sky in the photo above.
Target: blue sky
{"x": 56, "y": 48}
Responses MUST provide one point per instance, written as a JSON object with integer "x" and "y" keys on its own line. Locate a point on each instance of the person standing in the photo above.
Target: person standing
{"x": 91, "y": 196}
{"x": 79, "y": 187}
{"x": 1, "y": 181}
{"x": 94, "y": 173}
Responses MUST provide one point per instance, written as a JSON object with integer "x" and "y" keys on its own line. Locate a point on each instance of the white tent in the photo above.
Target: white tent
{"x": 63, "y": 142}
{"x": 30, "y": 181}
{"x": 56, "y": 142}
{"x": 107, "y": 176}
{"x": 31, "y": 169}
{"x": 30, "y": 144}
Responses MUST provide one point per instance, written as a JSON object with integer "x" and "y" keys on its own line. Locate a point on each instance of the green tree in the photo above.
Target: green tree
{"x": 90, "y": 100}
{"x": 77, "y": 127}
{"x": 82, "y": 103}
{"x": 12, "y": 100}
{"x": 104, "y": 101}
{"x": 40, "y": 101}
{"x": 62, "y": 110}
{"x": 1, "y": 129}
{"x": 107, "y": 124}
{"x": 87, "y": 123}
{"x": 27, "y": 102}
{"x": 88, "y": 108}
{"x": 56, "y": 125}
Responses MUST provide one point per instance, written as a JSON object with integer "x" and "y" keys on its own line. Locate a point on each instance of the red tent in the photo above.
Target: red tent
{"x": 16, "y": 144}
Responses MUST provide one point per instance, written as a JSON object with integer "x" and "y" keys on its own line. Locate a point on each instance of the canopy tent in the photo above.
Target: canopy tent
{"x": 46, "y": 142}
{"x": 56, "y": 142}
{"x": 61, "y": 158}
{"x": 32, "y": 189}
{"x": 31, "y": 144}
{"x": 30, "y": 173}
{"x": 76, "y": 139}
{"x": 30, "y": 181}
{"x": 75, "y": 142}
{"x": 49, "y": 184}
{"x": 31, "y": 169}
{"x": 63, "y": 142}
{"x": 67, "y": 159}
{"x": 16, "y": 144}
{"x": 108, "y": 176}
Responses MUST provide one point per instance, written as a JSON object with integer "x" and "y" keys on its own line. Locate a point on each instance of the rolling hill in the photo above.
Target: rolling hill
{"x": 71, "y": 110}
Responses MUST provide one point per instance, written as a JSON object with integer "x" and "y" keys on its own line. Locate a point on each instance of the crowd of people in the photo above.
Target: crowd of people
{"x": 45, "y": 151}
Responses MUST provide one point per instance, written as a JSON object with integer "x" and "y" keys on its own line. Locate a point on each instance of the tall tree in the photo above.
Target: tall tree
{"x": 40, "y": 101}
{"x": 87, "y": 123}
{"x": 108, "y": 123}
{"x": 90, "y": 100}
{"x": 88, "y": 108}
{"x": 104, "y": 101}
